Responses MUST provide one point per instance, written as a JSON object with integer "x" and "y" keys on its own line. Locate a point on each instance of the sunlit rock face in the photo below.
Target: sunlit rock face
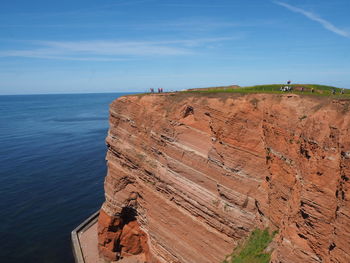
{"x": 190, "y": 174}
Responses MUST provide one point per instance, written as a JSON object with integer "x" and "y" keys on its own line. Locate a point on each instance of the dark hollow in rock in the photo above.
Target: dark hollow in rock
{"x": 188, "y": 111}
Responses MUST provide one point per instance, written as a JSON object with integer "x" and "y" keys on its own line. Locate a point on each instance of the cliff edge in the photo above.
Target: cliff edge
{"x": 191, "y": 174}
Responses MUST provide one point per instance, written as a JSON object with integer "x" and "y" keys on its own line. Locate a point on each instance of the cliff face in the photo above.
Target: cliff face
{"x": 191, "y": 174}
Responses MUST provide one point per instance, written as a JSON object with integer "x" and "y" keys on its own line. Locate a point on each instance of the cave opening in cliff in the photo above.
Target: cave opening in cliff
{"x": 331, "y": 247}
{"x": 128, "y": 214}
{"x": 304, "y": 214}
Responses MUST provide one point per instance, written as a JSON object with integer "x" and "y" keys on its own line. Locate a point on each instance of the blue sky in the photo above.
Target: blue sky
{"x": 133, "y": 45}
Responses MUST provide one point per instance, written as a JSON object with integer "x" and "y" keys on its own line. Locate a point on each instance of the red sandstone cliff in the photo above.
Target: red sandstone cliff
{"x": 190, "y": 174}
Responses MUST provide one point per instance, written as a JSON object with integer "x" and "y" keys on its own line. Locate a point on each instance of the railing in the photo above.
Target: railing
{"x": 77, "y": 251}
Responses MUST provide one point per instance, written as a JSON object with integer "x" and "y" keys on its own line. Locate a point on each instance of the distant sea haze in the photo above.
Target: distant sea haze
{"x": 52, "y": 169}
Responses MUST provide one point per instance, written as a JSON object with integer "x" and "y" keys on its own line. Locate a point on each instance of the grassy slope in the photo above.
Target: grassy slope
{"x": 253, "y": 249}
{"x": 320, "y": 90}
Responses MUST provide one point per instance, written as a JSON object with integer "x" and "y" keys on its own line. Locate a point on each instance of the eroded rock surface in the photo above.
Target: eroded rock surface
{"x": 191, "y": 174}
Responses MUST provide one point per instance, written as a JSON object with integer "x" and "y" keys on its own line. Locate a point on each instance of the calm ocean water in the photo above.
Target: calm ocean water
{"x": 52, "y": 168}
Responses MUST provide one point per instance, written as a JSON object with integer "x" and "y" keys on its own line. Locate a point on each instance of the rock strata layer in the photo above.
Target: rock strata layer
{"x": 190, "y": 174}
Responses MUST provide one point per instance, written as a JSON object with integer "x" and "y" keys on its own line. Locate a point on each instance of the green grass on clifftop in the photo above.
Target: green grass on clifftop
{"x": 252, "y": 250}
{"x": 320, "y": 90}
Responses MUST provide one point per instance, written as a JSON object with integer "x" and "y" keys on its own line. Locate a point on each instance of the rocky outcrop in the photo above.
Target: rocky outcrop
{"x": 190, "y": 174}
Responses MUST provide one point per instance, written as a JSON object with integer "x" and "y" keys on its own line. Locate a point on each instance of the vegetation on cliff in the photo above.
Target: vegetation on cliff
{"x": 252, "y": 250}
{"x": 314, "y": 89}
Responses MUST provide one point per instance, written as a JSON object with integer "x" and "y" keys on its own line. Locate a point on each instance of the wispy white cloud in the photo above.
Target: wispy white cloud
{"x": 102, "y": 50}
{"x": 184, "y": 24}
{"x": 314, "y": 17}
{"x": 43, "y": 54}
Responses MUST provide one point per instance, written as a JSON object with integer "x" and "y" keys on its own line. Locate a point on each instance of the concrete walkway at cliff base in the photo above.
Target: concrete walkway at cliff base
{"x": 85, "y": 242}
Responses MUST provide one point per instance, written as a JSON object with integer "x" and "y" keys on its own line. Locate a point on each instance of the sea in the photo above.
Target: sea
{"x": 52, "y": 168}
